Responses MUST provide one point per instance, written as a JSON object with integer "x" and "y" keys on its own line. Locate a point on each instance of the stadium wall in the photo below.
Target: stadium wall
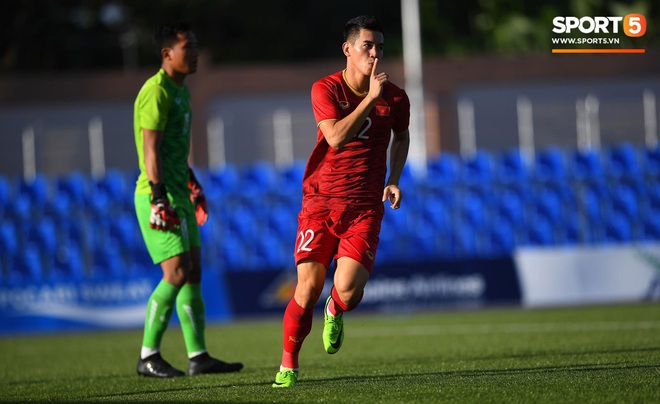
{"x": 532, "y": 277}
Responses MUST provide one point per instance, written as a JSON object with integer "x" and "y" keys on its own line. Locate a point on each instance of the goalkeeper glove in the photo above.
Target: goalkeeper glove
{"x": 198, "y": 198}
{"x": 163, "y": 216}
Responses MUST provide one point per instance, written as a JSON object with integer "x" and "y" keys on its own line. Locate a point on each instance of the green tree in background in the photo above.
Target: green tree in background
{"x": 74, "y": 35}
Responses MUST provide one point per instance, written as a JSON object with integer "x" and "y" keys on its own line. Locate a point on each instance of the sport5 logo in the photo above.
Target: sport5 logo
{"x": 634, "y": 25}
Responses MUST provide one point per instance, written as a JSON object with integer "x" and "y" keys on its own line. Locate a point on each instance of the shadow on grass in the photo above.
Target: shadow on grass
{"x": 484, "y": 372}
{"x": 413, "y": 377}
{"x": 146, "y": 386}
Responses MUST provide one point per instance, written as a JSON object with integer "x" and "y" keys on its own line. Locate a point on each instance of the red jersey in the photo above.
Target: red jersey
{"x": 352, "y": 178}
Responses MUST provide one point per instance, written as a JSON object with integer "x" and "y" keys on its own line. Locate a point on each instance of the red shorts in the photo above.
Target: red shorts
{"x": 324, "y": 235}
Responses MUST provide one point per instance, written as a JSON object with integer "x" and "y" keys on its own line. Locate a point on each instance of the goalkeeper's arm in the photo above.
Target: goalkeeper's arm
{"x": 198, "y": 198}
{"x": 163, "y": 216}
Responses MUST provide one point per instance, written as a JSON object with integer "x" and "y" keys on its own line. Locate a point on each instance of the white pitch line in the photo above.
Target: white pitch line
{"x": 512, "y": 328}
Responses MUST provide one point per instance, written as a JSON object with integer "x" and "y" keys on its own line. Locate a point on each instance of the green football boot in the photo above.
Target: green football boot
{"x": 333, "y": 330}
{"x": 286, "y": 378}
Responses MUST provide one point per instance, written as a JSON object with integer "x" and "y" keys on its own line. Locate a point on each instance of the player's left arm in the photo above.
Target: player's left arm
{"x": 197, "y": 197}
{"x": 398, "y": 156}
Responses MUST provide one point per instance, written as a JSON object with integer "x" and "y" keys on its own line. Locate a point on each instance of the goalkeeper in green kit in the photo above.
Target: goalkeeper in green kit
{"x": 170, "y": 205}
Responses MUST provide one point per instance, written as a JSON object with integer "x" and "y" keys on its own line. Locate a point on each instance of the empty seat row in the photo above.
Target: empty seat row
{"x": 78, "y": 227}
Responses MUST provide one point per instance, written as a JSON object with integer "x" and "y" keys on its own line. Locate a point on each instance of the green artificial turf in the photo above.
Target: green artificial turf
{"x": 595, "y": 354}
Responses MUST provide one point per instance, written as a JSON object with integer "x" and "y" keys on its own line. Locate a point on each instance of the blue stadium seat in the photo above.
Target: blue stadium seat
{"x": 5, "y": 194}
{"x": 421, "y": 244}
{"x": 540, "y": 232}
{"x": 68, "y": 265}
{"x": 113, "y": 184}
{"x": 479, "y": 168}
{"x": 511, "y": 208}
{"x": 107, "y": 262}
{"x": 550, "y": 164}
{"x": 233, "y": 253}
{"x": 587, "y": 165}
{"x": 125, "y": 231}
{"x": 474, "y": 210}
{"x": 386, "y": 246}
{"x": 293, "y": 174}
{"x": 272, "y": 252}
{"x": 37, "y": 189}
{"x": 548, "y": 205}
{"x": 77, "y": 232}
{"x": 570, "y": 233}
{"x": 443, "y": 170}
{"x": 651, "y": 161}
{"x": 437, "y": 213}
{"x": 623, "y": 161}
{"x": 9, "y": 245}
{"x": 243, "y": 224}
{"x": 653, "y": 199}
{"x": 618, "y": 229}
{"x": 624, "y": 201}
{"x": 652, "y": 228}
{"x": 512, "y": 167}
{"x": 44, "y": 235}
{"x": 209, "y": 232}
{"x": 28, "y": 267}
{"x": 141, "y": 261}
{"x": 224, "y": 180}
{"x": 502, "y": 239}
{"x": 19, "y": 209}
{"x": 463, "y": 242}
{"x": 100, "y": 205}
{"x": 60, "y": 208}
{"x": 283, "y": 220}
{"x": 73, "y": 187}
{"x": 261, "y": 174}
{"x": 590, "y": 204}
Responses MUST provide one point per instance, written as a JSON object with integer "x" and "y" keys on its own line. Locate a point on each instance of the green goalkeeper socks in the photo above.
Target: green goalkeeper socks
{"x": 190, "y": 309}
{"x": 159, "y": 312}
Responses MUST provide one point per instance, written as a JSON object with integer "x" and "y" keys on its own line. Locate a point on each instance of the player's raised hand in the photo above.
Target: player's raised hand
{"x": 377, "y": 81}
{"x": 392, "y": 193}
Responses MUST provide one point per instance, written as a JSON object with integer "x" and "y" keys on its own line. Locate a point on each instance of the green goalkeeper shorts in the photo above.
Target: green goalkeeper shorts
{"x": 166, "y": 244}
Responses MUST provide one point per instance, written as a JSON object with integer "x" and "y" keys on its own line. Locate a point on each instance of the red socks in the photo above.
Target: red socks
{"x": 296, "y": 326}
{"x": 336, "y": 306}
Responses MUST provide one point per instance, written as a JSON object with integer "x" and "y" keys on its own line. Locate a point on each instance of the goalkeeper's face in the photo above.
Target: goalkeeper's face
{"x": 182, "y": 56}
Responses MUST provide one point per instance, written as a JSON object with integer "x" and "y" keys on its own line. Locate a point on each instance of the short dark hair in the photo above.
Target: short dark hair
{"x": 353, "y": 27}
{"x": 166, "y": 35}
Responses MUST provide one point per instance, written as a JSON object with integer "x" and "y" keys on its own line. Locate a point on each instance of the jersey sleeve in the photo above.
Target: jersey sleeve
{"x": 154, "y": 106}
{"x": 324, "y": 102}
{"x": 402, "y": 112}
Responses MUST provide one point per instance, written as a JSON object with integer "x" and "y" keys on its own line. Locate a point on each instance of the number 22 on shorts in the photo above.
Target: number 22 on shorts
{"x": 305, "y": 239}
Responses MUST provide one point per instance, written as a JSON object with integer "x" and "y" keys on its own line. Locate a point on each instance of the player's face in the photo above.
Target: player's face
{"x": 367, "y": 47}
{"x": 183, "y": 55}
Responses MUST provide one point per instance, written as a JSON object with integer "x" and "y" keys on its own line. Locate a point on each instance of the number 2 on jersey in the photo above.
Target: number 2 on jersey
{"x": 305, "y": 239}
{"x": 362, "y": 135}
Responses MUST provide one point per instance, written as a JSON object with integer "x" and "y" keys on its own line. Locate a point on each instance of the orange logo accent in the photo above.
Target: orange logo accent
{"x": 294, "y": 340}
{"x": 634, "y": 25}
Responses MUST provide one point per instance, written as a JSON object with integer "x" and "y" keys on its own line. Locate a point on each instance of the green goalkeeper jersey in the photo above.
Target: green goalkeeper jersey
{"x": 163, "y": 106}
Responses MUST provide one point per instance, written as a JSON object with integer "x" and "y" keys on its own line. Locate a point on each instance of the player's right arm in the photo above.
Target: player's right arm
{"x": 152, "y": 139}
{"x": 338, "y": 132}
{"x": 163, "y": 216}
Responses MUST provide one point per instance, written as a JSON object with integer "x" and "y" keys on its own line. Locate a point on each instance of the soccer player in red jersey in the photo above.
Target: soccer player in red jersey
{"x": 357, "y": 111}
